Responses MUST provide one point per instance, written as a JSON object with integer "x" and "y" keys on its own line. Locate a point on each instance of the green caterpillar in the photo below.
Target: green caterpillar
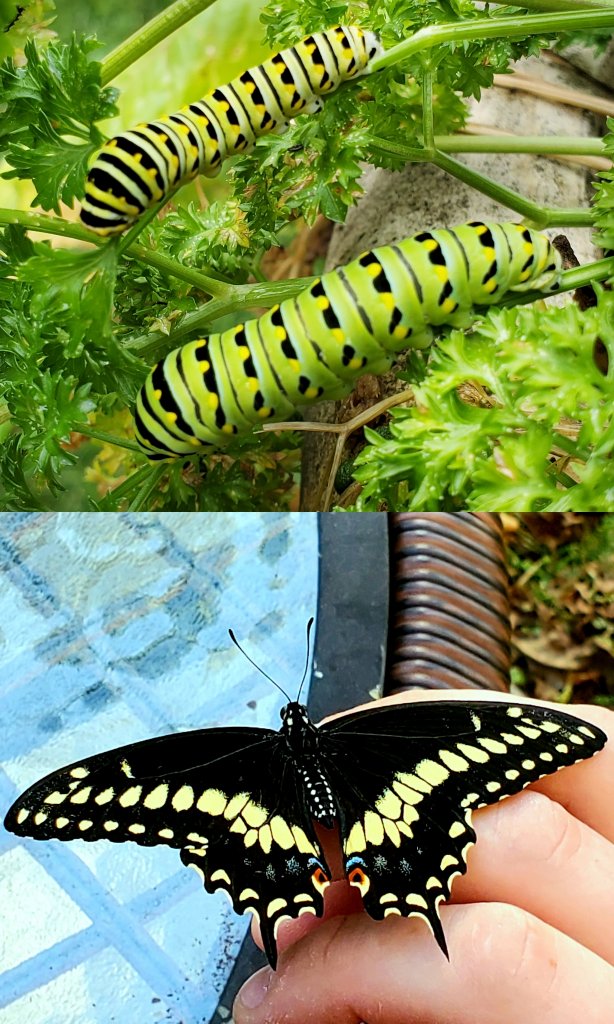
{"x": 350, "y": 321}
{"x": 141, "y": 166}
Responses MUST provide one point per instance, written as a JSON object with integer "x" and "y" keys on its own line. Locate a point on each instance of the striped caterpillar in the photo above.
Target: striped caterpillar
{"x": 141, "y": 166}
{"x": 348, "y": 322}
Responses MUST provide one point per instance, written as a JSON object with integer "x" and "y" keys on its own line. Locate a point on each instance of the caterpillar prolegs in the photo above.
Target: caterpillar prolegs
{"x": 348, "y": 322}
{"x": 141, "y": 166}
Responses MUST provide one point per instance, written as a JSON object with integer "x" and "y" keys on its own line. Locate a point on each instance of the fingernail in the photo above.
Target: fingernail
{"x": 254, "y": 991}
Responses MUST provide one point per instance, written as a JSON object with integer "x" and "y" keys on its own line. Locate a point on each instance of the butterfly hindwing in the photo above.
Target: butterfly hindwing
{"x": 409, "y": 777}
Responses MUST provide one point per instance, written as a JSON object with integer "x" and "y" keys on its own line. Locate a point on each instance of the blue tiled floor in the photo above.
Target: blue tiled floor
{"x": 113, "y": 628}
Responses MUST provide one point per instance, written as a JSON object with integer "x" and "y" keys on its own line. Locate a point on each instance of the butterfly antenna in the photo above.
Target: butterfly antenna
{"x": 252, "y": 662}
{"x": 309, "y": 625}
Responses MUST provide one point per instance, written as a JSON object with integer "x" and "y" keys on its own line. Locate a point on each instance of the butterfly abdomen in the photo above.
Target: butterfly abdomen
{"x": 348, "y": 322}
{"x": 140, "y": 166}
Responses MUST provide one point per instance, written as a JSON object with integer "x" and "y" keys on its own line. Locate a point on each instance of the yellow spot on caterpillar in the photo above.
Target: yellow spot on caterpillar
{"x": 157, "y": 394}
{"x": 264, "y": 412}
{"x": 456, "y": 829}
{"x": 110, "y": 826}
{"x": 157, "y": 797}
{"x": 211, "y": 801}
{"x": 131, "y": 796}
{"x": 387, "y": 298}
{"x": 252, "y": 384}
{"x": 294, "y": 365}
{"x": 322, "y": 302}
{"x": 212, "y": 401}
{"x": 281, "y": 333}
{"x": 171, "y": 417}
{"x": 183, "y": 799}
{"x": 337, "y": 334}
{"x": 203, "y": 366}
{"x": 400, "y": 332}
{"x": 84, "y": 825}
{"x": 136, "y": 828}
{"x": 432, "y": 772}
{"x": 441, "y": 273}
{"x": 373, "y": 269}
{"x": 105, "y": 796}
{"x": 40, "y": 817}
{"x": 311, "y": 392}
{"x": 61, "y": 822}
{"x": 355, "y": 363}
{"x": 228, "y": 428}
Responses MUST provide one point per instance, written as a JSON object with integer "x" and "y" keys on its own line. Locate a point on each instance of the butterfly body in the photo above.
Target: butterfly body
{"x": 401, "y": 781}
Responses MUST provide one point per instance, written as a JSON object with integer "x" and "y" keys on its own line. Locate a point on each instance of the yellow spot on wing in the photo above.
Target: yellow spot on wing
{"x": 432, "y": 772}
{"x": 254, "y": 815}
{"x": 157, "y": 797}
{"x": 131, "y": 796}
{"x": 183, "y": 798}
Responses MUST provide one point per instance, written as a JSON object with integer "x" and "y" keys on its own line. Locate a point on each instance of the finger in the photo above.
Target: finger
{"x": 532, "y": 853}
{"x": 505, "y": 966}
{"x": 586, "y": 789}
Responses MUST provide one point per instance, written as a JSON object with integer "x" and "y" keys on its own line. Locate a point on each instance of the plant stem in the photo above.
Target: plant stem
{"x": 568, "y": 145}
{"x": 149, "y": 35}
{"x": 100, "y": 435}
{"x": 67, "y": 229}
{"x": 491, "y": 28}
{"x": 150, "y": 484}
{"x": 500, "y": 193}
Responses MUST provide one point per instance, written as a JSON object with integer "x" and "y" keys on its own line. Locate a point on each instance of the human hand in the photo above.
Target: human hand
{"x": 529, "y": 928}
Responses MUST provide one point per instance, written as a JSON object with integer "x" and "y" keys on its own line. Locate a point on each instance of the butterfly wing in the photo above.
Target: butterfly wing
{"x": 408, "y": 778}
{"x": 227, "y": 798}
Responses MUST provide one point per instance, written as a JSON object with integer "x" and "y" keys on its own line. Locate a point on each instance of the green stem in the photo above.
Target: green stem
{"x": 150, "y": 484}
{"x": 563, "y": 5}
{"x": 567, "y": 145}
{"x": 155, "y": 344}
{"x": 428, "y": 129}
{"x": 500, "y": 193}
{"x": 67, "y": 229}
{"x": 100, "y": 435}
{"x": 491, "y": 28}
{"x": 149, "y": 35}
{"x": 578, "y": 277}
{"x": 131, "y": 484}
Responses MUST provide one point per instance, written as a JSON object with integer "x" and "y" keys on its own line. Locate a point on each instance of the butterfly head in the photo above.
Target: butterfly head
{"x": 299, "y": 731}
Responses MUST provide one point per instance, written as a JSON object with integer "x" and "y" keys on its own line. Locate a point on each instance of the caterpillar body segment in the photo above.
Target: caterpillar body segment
{"x": 142, "y": 165}
{"x": 348, "y": 322}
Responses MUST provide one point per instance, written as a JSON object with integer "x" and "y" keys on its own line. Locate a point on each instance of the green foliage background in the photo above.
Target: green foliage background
{"x": 79, "y": 326}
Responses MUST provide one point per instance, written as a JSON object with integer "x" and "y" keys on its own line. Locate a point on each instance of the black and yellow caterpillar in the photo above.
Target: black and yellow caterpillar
{"x": 141, "y": 166}
{"x": 350, "y": 321}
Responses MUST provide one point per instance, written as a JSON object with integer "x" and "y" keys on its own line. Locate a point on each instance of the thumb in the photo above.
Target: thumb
{"x": 505, "y": 966}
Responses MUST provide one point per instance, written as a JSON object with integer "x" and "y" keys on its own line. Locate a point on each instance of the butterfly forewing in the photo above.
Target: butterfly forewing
{"x": 227, "y": 798}
{"x": 409, "y": 777}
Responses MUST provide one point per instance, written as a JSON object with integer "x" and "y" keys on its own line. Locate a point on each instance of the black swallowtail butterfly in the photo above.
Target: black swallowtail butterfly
{"x": 142, "y": 165}
{"x": 349, "y": 322}
{"x": 401, "y": 781}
